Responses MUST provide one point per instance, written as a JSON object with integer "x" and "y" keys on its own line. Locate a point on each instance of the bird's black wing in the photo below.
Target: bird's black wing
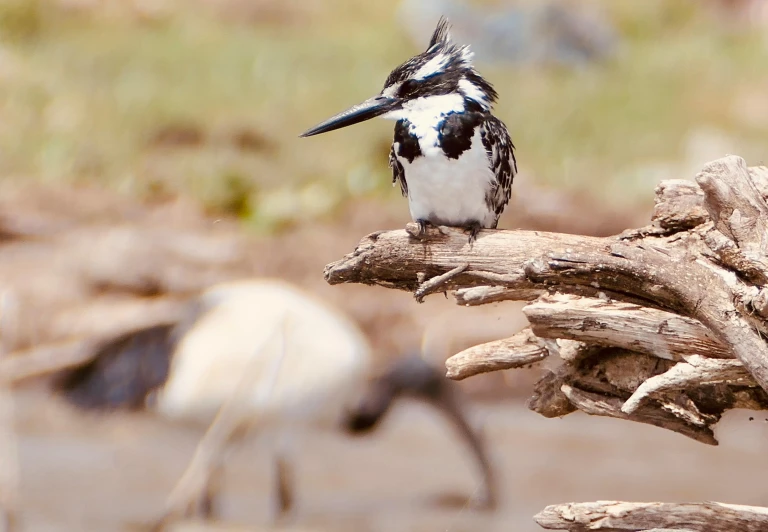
{"x": 398, "y": 172}
{"x": 123, "y": 372}
{"x": 501, "y": 155}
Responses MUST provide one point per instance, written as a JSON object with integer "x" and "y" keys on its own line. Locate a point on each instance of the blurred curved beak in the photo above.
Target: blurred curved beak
{"x": 370, "y": 108}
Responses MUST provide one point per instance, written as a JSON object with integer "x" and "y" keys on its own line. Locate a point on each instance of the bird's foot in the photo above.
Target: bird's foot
{"x": 434, "y": 284}
{"x": 474, "y": 229}
{"x": 421, "y": 231}
{"x": 423, "y": 226}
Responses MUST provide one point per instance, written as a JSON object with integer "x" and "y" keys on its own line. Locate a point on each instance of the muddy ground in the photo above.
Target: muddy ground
{"x": 85, "y": 474}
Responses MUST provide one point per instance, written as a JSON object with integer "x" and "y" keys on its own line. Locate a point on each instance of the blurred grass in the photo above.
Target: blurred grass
{"x": 85, "y": 95}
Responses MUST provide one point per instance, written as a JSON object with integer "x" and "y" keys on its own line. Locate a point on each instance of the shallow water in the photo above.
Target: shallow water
{"x": 85, "y": 473}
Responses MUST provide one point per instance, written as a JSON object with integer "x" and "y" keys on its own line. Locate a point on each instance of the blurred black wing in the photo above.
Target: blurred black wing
{"x": 398, "y": 172}
{"x": 501, "y": 155}
{"x": 123, "y": 372}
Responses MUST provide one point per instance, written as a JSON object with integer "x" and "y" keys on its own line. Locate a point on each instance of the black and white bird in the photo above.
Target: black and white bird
{"x": 453, "y": 159}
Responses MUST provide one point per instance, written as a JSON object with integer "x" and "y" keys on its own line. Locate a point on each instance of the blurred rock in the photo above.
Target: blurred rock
{"x": 547, "y": 32}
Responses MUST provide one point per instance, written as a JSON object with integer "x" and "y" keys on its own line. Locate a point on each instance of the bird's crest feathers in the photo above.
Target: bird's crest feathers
{"x": 443, "y": 68}
{"x": 442, "y": 34}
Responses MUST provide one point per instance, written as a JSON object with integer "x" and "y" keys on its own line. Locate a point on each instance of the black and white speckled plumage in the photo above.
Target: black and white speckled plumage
{"x": 456, "y": 123}
{"x": 455, "y": 135}
{"x": 501, "y": 155}
{"x": 452, "y": 158}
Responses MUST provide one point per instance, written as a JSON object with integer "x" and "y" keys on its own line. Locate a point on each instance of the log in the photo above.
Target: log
{"x": 637, "y": 516}
{"x": 46, "y": 359}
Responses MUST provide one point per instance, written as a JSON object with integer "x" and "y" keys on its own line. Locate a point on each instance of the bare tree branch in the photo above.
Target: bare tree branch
{"x": 481, "y": 295}
{"x": 601, "y": 405}
{"x": 694, "y": 372}
{"x": 619, "y": 324}
{"x": 519, "y": 351}
{"x": 665, "y": 272}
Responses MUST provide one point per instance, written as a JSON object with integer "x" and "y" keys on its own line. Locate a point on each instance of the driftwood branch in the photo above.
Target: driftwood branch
{"x": 665, "y": 273}
{"x": 615, "y": 516}
{"x": 519, "y": 351}
{"x": 615, "y": 323}
{"x": 669, "y": 267}
{"x": 664, "y": 324}
{"x": 697, "y": 371}
{"x": 602, "y": 405}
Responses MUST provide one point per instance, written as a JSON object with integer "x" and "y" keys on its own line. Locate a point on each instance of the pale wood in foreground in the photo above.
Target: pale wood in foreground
{"x": 643, "y": 516}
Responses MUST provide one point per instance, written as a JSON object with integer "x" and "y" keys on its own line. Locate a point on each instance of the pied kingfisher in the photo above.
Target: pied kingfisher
{"x": 453, "y": 159}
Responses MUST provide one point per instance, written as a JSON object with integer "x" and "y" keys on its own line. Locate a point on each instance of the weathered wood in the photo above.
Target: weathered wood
{"x": 481, "y": 295}
{"x": 679, "y": 205}
{"x": 663, "y": 271}
{"x": 614, "y": 375}
{"x": 616, "y": 516}
{"x": 437, "y": 283}
{"x": 759, "y": 176}
{"x": 519, "y": 351}
{"x": 615, "y": 323}
{"x": 740, "y": 213}
{"x": 601, "y": 405}
{"x": 694, "y": 372}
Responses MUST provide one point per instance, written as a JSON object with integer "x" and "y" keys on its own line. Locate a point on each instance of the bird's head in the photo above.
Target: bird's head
{"x": 437, "y": 81}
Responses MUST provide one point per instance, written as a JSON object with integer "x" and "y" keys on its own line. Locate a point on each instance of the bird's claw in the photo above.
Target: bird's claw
{"x": 474, "y": 229}
{"x": 422, "y": 232}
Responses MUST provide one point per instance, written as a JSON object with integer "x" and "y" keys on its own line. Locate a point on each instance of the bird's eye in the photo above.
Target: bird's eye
{"x": 408, "y": 87}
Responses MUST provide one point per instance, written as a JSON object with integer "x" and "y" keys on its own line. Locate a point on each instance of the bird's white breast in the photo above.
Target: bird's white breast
{"x": 443, "y": 190}
{"x": 326, "y": 362}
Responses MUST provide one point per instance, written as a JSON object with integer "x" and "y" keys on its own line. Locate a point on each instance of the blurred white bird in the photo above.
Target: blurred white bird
{"x": 187, "y": 370}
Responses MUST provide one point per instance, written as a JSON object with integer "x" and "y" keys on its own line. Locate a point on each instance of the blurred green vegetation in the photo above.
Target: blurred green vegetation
{"x": 197, "y": 100}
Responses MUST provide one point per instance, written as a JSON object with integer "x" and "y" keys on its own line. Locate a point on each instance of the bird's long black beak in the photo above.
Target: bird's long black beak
{"x": 370, "y": 108}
